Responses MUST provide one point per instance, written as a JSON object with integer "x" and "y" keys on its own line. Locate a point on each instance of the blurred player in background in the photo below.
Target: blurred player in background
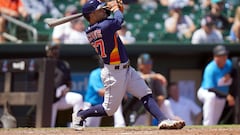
{"x": 117, "y": 75}
{"x": 70, "y": 32}
{"x": 214, "y": 90}
{"x": 157, "y": 83}
{"x": 183, "y": 107}
{"x": 63, "y": 97}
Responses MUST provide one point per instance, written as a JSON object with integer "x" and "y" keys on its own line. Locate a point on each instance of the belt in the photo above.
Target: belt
{"x": 218, "y": 93}
{"x": 121, "y": 67}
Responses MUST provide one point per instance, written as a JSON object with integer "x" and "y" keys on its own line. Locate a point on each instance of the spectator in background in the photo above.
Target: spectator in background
{"x": 179, "y": 23}
{"x": 13, "y": 8}
{"x": 149, "y": 4}
{"x": 214, "y": 90}
{"x": 82, "y": 2}
{"x": 76, "y": 33}
{"x": 38, "y": 8}
{"x": 205, "y": 3}
{"x": 185, "y": 108}
{"x": 235, "y": 30}
{"x": 126, "y": 36}
{"x": 60, "y": 31}
{"x": 63, "y": 97}
{"x": 221, "y": 22}
{"x": 207, "y": 34}
{"x": 234, "y": 2}
{"x": 94, "y": 95}
{"x": 70, "y": 32}
{"x": 181, "y": 2}
{"x": 157, "y": 82}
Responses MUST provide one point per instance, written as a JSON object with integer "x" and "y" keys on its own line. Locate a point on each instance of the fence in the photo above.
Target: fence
{"x": 29, "y": 82}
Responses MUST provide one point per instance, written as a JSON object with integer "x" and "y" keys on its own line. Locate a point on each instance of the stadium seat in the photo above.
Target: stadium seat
{"x": 153, "y": 26}
{"x": 44, "y": 31}
{"x": 187, "y": 10}
{"x": 170, "y": 37}
{"x": 62, "y": 4}
{"x": 149, "y": 36}
{"x": 134, "y": 27}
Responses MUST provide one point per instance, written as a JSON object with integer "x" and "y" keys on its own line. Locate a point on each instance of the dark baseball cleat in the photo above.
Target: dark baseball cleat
{"x": 77, "y": 122}
{"x": 171, "y": 124}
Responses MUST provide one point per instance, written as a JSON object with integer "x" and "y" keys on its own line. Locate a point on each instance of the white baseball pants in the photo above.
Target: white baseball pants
{"x": 119, "y": 81}
{"x": 70, "y": 100}
{"x": 212, "y": 106}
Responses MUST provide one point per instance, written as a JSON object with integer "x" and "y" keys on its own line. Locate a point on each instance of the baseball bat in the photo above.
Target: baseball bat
{"x": 54, "y": 22}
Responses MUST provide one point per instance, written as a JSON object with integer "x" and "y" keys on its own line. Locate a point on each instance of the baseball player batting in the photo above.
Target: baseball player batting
{"x": 118, "y": 76}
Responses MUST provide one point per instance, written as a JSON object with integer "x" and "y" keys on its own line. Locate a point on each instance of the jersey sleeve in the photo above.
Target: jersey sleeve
{"x": 117, "y": 20}
{"x": 158, "y": 88}
{"x": 208, "y": 78}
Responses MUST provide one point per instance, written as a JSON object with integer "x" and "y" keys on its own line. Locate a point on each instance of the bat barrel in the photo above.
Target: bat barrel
{"x": 55, "y": 22}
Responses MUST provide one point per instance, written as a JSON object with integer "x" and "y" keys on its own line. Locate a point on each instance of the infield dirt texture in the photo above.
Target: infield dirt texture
{"x": 188, "y": 130}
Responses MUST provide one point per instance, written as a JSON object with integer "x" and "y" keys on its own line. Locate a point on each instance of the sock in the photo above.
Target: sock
{"x": 151, "y": 106}
{"x": 95, "y": 111}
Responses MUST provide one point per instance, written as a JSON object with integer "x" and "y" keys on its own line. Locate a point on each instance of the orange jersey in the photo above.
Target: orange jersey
{"x": 11, "y": 4}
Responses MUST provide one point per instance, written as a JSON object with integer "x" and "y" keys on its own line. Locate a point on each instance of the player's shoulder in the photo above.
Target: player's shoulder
{"x": 95, "y": 71}
{"x": 229, "y": 62}
{"x": 211, "y": 65}
{"x": 200, "y": 31}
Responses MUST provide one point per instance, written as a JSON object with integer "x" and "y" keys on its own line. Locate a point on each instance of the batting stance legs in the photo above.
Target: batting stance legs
{"x": 117, "y": 82}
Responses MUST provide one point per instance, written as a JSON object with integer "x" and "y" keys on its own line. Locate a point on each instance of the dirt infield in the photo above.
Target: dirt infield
{"x": 188, "y": 130}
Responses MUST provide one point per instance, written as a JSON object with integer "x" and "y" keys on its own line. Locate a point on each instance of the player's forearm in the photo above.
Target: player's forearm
{"x": 118, "y": 16}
